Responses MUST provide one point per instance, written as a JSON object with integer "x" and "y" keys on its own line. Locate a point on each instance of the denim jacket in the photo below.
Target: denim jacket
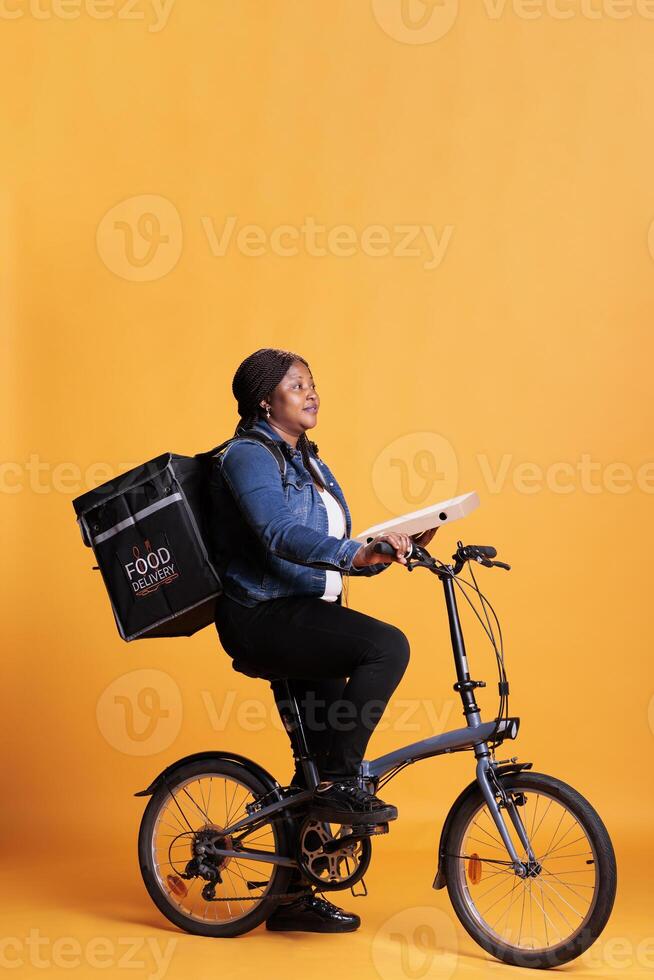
{"x": 270, "y": 535}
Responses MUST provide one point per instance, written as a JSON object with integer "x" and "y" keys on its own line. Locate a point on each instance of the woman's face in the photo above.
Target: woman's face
{"x": 295, "y": 402}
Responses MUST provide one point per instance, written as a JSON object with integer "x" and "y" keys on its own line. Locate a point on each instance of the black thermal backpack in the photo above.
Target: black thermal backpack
{"x": 148, "y": 529}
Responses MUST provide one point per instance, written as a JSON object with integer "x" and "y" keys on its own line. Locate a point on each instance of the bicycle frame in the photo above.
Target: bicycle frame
{"x": 474, "y": 736}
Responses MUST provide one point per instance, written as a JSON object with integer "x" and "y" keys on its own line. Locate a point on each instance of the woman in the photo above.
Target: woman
{"x": 282, "y": 548}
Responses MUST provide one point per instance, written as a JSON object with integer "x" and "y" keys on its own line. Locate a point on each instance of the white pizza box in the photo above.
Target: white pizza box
{"x": 421, "y": 520}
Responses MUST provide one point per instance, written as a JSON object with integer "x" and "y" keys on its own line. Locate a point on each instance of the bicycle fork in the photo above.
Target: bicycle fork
{"x": 486, "y": 777}
{"x": 490, "y": 787}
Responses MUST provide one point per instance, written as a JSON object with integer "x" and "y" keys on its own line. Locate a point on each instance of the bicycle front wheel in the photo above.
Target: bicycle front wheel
{"x": 554, "y": 914}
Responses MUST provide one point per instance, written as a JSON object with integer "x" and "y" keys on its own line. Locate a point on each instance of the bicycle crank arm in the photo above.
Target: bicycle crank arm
{"x": 365, "y": 830}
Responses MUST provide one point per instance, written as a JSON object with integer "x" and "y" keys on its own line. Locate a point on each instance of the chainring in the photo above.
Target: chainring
{"x": 341, "y": 868}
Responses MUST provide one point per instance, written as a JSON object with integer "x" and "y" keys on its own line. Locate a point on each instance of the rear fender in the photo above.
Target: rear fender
{"x": 262, "y": 774}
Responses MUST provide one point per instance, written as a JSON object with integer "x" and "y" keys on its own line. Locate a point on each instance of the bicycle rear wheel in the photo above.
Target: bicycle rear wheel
{"x": 552, "y": 916}
{"x": 199, "y": 891}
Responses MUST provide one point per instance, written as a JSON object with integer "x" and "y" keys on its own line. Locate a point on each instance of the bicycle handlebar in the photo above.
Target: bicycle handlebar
{"x": 385, "y": 548}
{"x": 482, "y": 553}
{"x": 472, "y": 550}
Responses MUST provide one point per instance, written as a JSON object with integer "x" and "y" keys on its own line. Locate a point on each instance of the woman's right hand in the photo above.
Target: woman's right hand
{"x": 366, "y": 556}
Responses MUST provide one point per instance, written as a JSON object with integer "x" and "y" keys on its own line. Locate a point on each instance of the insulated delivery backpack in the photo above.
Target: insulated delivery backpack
{"x": 148, "y": 529}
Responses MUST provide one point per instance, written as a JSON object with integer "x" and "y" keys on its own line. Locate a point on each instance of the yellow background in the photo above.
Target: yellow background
{"x": 529, "y": 342}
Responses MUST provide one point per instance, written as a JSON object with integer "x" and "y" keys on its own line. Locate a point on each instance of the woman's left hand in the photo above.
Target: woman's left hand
{"x": 424, "y": 537}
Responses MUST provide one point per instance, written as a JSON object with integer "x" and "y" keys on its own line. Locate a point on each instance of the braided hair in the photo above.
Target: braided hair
{"x": 256, "y": 377}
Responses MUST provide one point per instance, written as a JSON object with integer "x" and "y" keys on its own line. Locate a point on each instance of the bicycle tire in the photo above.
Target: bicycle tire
{"x": 603, "y": 860}
{"x": 278, "y": 879}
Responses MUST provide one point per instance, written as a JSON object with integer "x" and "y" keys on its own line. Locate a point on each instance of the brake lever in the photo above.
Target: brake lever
{"x": 489, "y": 563}
{"x": 423, "y": 558}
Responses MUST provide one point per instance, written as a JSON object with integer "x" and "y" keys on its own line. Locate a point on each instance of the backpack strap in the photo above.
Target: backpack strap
{"x": 270, "y": 444}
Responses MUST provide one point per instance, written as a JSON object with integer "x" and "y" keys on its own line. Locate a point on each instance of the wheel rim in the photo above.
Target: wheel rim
{"x": 541, "y": 913}
{"x": 196, "y": 811}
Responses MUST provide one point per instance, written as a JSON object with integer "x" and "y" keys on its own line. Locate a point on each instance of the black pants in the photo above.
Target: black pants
{"x": 344, "y": 666}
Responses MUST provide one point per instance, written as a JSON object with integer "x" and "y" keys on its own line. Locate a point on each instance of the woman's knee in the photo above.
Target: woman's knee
{"x": 402, "y": 648}
{"x": 392, "y": 645}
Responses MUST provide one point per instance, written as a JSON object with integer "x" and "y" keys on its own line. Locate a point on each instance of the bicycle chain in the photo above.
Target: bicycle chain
{"x": 249, "y": 898}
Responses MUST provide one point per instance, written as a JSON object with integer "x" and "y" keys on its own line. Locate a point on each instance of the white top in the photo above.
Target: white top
{"x": 336, "y": 529}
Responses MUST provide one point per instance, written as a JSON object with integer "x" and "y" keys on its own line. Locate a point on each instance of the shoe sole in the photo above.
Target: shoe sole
{"x": 352, "y": 818}
{"x": 318, "y": 927}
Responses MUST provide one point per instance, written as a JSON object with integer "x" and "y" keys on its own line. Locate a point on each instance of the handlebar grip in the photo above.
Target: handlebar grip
{"x": 484, "y": 549}
{"x": 384, "y": 548}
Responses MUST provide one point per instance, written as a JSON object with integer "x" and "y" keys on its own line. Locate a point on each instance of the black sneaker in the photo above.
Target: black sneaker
{"x": 312, "y": 914}
{"x": 345, "y": 802}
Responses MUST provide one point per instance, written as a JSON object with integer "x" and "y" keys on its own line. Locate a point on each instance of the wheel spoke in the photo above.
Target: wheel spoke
{"x": 484, "y": 843}
{"x": 533, "y": 835}
{"x": 549, "y": 847}
{"x": 522, "y": 912}
{"x": 552, "y": 904}
{"x": 484, "y": 831}
{"x": 173, "y": 845}
{"x": 196, "y": 805}
{"x": 569, "y": 844}
{"x": 552, "y": 888}
{"x": 567, "y": 884}
{"x": 489, "y": 890}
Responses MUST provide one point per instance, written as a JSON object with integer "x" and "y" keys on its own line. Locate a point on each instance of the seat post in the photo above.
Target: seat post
{"x": 292, "y": 722}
